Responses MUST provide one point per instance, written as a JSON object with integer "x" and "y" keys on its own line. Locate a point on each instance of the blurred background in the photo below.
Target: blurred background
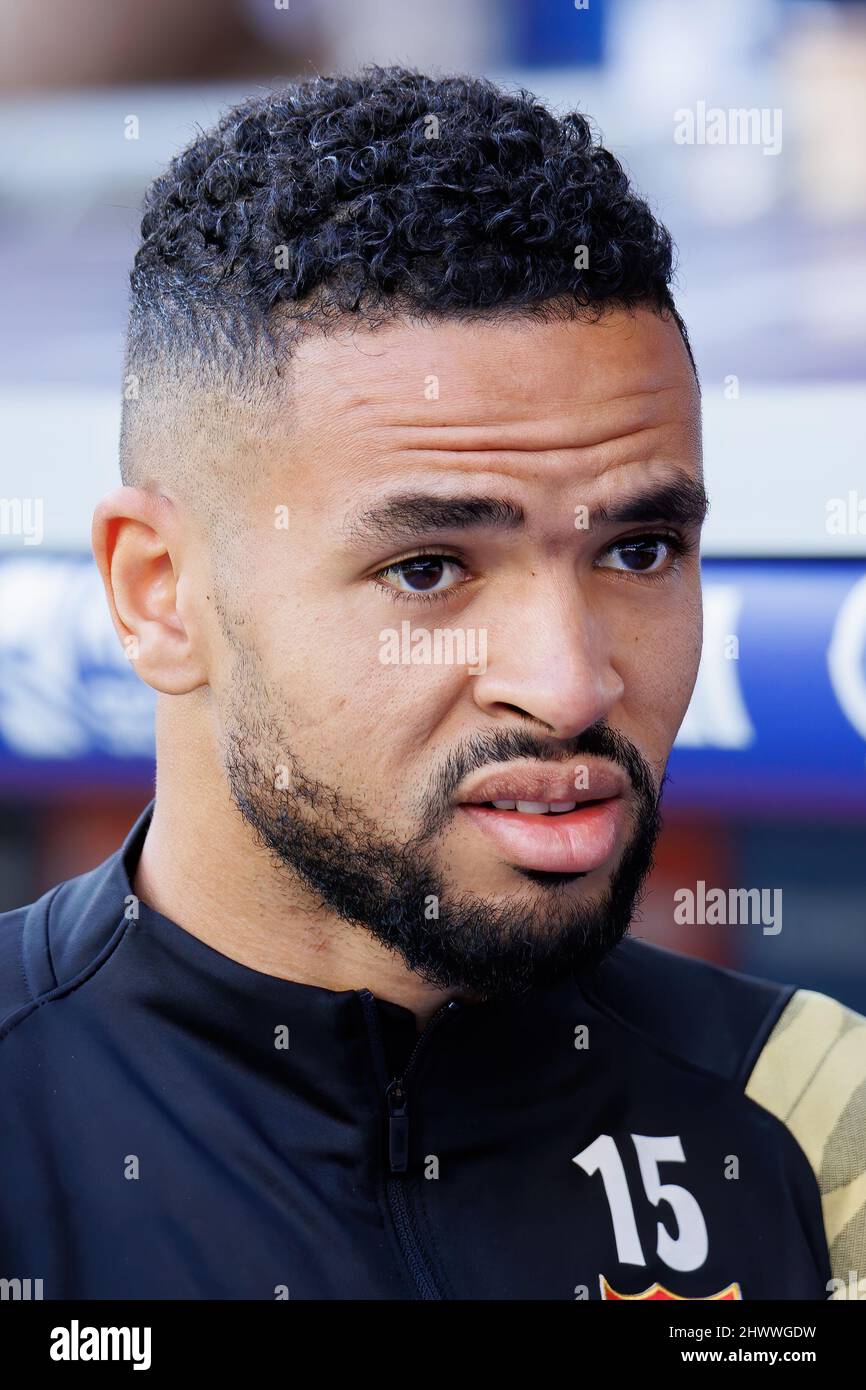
{"x": 742, "y": 122}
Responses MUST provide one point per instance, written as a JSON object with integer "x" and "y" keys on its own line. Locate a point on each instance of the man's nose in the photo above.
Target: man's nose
{"x": 549, "y": 660}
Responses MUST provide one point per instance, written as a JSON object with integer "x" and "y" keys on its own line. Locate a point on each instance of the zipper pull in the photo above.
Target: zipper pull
{"x": 398, "y": 1127}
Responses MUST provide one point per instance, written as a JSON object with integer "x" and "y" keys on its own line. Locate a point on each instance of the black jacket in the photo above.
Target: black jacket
{"x": 176, "y": 1125}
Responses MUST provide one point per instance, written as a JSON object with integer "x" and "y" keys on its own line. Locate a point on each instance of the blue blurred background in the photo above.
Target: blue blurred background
{"x": 768, "y": 208}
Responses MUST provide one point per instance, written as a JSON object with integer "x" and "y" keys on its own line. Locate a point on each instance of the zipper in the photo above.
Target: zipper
{"x": 396, "y": 1096}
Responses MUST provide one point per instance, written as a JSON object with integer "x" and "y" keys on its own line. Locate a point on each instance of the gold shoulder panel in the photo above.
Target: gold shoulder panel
{"x": 811, "y": 1074}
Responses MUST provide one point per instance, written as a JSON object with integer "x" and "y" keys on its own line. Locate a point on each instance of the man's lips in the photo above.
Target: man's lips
{"x": 580, "y": 781}
{"x": 574, "y": 841}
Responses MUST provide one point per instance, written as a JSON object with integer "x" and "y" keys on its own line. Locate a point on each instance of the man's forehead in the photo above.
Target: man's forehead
{"x": 500, "y": 373}
{"x": 543, "y": 414}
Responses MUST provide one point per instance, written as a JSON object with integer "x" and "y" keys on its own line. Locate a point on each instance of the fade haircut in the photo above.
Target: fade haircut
{"x": 363, "y": 199}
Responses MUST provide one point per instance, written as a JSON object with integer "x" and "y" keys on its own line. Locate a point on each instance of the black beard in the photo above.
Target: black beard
{"x": 457, "y": 942}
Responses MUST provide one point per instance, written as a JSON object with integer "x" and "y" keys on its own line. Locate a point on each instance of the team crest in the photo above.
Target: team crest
{"x": 657, "y": 1293}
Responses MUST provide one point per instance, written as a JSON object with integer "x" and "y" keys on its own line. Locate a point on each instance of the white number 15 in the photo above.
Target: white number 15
{"x": 689, "y": 1249}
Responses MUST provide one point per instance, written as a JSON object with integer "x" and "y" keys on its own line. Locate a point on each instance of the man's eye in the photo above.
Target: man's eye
{"x": 642, "y": 555}
{"x": 422, "y": 574}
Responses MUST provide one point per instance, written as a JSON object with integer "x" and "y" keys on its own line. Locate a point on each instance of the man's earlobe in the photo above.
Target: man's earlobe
{"x": 133, "y": 549}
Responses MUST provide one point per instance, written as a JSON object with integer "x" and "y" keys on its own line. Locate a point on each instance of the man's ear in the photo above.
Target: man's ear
{"x": 138, "y": 558}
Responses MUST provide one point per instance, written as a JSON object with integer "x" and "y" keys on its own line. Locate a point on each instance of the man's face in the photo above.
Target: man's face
{"x": 532, "y": 492}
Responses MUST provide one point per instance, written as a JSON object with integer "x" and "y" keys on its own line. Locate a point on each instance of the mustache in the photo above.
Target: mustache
{"x": 505, "y": 745}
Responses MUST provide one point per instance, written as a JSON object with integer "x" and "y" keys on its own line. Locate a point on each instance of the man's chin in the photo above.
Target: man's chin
{"x": 508, "y": 974}
{"x": 502, "y": 946}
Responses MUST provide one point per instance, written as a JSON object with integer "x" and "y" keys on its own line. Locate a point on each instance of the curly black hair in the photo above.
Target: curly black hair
{"x": 384, "y": 193}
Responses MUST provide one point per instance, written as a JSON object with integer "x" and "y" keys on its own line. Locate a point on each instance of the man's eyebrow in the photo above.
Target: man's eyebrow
{"x": 412, "y": 514}
{"x": 407, "y": 515}
{"x": 682, "y": 501}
